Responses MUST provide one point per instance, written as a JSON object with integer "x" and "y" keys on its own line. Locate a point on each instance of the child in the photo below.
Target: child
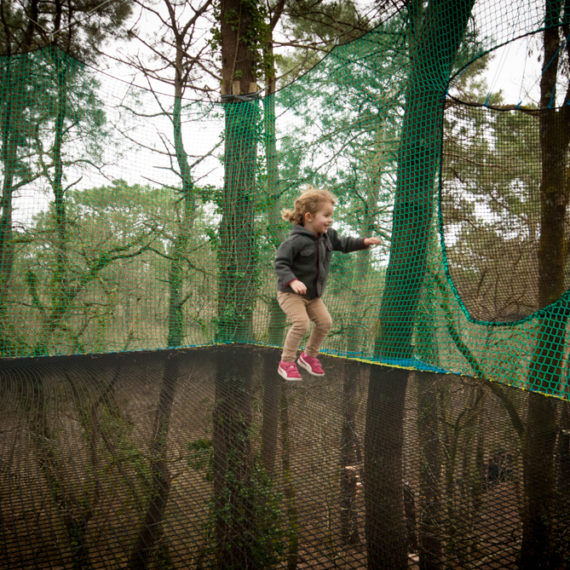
{"x": 302, "y": 265}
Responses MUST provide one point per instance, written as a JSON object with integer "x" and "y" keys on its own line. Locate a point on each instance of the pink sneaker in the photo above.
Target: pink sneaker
{"x": 311, "y": 364}
{"x": 289, "y": 371}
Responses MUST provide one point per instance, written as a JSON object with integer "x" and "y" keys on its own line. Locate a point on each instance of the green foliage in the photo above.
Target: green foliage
{"x": 200, "y": 456}
{"x": 321, "y": 25}
{"x": 255, "y": 34}
{"x": 79, "y": 26}
{"x": 258, "y": 517}
{"x": 118, "y": 246}
{"x": 251, "y": 505}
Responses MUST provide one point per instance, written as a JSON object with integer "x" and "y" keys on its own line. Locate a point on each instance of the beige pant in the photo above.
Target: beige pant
{"x": 301, "y": 311}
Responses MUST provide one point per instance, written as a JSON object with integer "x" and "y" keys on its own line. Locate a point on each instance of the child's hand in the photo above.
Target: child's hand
{"x": 371, "y": 241}
{"x": 298, "y": 287}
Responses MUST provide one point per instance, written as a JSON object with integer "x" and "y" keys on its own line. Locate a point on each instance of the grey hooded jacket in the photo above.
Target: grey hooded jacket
{"x": 306, "y": 257}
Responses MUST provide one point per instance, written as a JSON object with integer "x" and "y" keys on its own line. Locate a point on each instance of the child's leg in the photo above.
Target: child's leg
{"x": 294, "y": 307}
{"x": 319, "y": 314}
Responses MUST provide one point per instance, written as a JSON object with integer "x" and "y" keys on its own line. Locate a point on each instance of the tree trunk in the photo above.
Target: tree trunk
{"x": 289, "y": 488}
{"x": 432, "y": 53}
{"x": 9, "y": 157}
{"x": 234, "y": 526}
{"x": 271, "y": 398}
{"x": 563, "y": 481}
{"x": 545, "y": 371}
{"x": 430, "y": 544}
{"x": 271, "y": 380}
{"x": 350, "y": 459}
{"x": 151, "y": 529}
{"x": 237, "y": 256}
{"x": 538, "y": 505}
{"x": 185, "y": 223}
{"x": 233, "y": 509}
{"x": 386, "y": 532}
{"x": 60, "y": 293}
{"x": 13, "y": 95}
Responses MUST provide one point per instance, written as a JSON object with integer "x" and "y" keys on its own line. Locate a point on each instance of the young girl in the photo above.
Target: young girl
{"x": 302, "y": 265}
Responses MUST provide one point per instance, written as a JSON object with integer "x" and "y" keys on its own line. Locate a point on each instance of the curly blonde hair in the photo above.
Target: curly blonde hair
{"x": 310, "y": 201}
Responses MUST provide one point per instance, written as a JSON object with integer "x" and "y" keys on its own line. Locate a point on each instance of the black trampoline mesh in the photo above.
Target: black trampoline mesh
{"x": 167, "y": 460}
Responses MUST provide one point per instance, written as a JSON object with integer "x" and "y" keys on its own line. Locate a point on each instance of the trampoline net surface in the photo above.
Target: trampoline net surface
{"x": 164, "y": 460}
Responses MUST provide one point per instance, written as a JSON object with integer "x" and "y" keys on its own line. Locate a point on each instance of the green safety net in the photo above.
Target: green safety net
{"x": 132, "y": 220}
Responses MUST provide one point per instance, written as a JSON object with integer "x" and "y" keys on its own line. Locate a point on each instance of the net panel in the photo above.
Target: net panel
{"x": 116, "y": 237}
{"x": 264, "y": 475}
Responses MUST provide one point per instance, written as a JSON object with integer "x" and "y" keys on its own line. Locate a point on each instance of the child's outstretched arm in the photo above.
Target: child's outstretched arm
{"x": 346, "y": 244}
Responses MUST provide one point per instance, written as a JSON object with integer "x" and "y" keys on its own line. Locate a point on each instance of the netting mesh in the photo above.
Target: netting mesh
{"x": 136, "y": 222}
{"x": 87, "y": 478}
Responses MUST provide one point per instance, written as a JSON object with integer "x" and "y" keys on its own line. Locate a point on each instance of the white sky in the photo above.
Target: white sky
{"x": 515, "y": 73}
